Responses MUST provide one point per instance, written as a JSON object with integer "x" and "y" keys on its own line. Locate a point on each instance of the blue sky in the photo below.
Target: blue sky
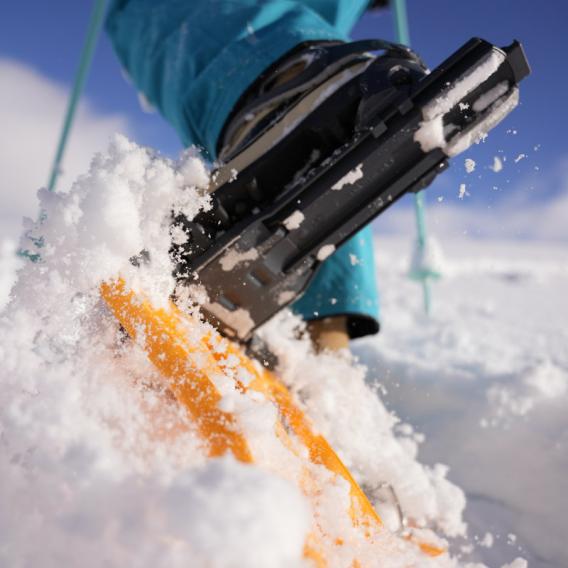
{"x": 48, "y": 36}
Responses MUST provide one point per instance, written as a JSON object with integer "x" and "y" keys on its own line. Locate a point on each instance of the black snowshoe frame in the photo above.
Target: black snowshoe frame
{"x": 274, "y": 221}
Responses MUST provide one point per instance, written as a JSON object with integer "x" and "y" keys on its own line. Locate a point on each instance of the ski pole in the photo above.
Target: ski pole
{"x": 93, "y": 30}
{"x": 403, "y": 36}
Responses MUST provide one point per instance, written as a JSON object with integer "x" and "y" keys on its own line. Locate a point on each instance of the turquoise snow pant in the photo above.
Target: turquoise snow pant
{"x": 193, "y": 59}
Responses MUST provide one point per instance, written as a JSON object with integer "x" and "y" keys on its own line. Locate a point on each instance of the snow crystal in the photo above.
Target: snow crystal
{"x": 497, "y": 164}
{"x": 519, "y": 158}
{"x": 469, "y": 165}
{"x": 463, "y": 191}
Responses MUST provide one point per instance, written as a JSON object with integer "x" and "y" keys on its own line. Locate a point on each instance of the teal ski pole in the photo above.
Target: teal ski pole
{"x": 93, "y": 31}
{"x": 403, "y": 36}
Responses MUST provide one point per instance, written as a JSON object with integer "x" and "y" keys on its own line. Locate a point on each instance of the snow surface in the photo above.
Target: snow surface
{"x": 485, "y": 378}
{"x": 99, "y": 466}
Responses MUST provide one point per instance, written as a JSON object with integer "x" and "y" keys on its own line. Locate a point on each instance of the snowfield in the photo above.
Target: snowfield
{"x": 99, "y": 467}
{"x": 485, "y": 379}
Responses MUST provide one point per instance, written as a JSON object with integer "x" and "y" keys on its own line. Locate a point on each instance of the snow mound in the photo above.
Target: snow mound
{"x": 99, "y": 465}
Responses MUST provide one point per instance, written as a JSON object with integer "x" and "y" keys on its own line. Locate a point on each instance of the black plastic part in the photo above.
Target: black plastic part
{"x": 249, "y": 262}
{"x": 517, "y": 60}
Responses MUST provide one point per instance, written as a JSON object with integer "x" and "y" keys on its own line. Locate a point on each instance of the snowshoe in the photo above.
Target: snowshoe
{"x": 329, "y": 139}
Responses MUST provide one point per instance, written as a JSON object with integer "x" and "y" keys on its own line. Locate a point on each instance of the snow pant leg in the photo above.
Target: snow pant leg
{"x": 193, "y": 59}
{"x": 346, "y": 285}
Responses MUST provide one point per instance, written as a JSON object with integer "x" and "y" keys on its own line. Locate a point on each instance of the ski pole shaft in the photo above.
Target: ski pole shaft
{"x": 87, "y": 53}
{"x": 403, "y": 36}
{"x": 401, "y": 22}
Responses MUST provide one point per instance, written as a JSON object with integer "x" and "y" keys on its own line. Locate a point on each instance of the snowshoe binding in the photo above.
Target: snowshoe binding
{"x": 321, "y": 144}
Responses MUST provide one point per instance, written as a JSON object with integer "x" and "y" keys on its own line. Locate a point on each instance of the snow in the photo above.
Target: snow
{"x": 476, "y": 134}
{"x": 463, "y": 191}
{"x": 233, "y": 257}
{"x": 464, "y": 85}
{"x": 99, "y": 465}
{"x": 349, "y": 178}
{"x": 490, "y": 96}
{"x": 497, "y": 164}
{"x": 293, "y": 221}
{"x": 325, "y": 251}
{"x": 485, "y": 378}
{"x": 469, "y": 165}
{"x": 432, "y": 133}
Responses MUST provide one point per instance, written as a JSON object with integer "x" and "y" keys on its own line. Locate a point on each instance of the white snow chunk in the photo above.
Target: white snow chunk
{"x": 179, "y": 236}
{"x": 354, "y": 260}
{"x": 497, "y": 164}
{"x": 519, "y": 158}
{"x": 294, "y": 221}
{"x": 350, "y": 178}
{"x": 232, "y": 257}
{"x": 469, "y": 165}
{"x": 325, "y": 251}
{"x": 193, "y": 170}
{"x": 463, "y": 192}
{"x": 431, "y": 135}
